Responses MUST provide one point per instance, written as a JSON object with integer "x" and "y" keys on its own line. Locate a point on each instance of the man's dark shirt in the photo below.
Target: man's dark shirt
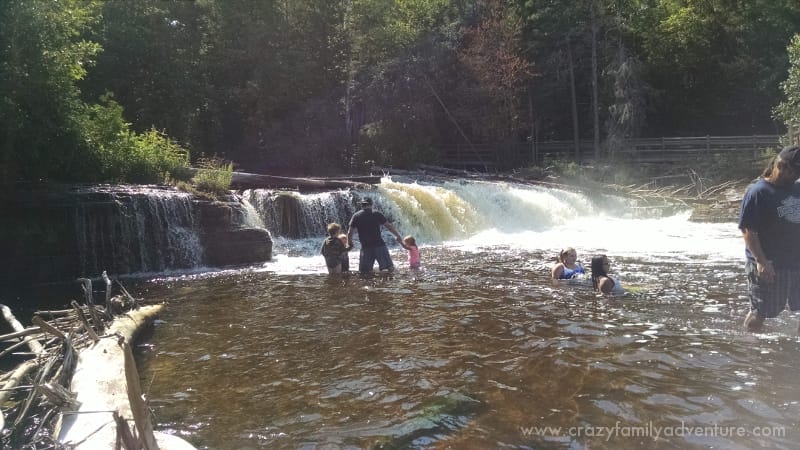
{"x": 368, "y": 223}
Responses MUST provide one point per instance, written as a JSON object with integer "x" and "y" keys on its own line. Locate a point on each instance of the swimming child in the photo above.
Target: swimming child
{"x": 414, "y": 260}
{"x": 568, "y": 267}
{"x": 333, "y": 249}
{"x": 600, "y": 279}
{"x": 345, "y": 255}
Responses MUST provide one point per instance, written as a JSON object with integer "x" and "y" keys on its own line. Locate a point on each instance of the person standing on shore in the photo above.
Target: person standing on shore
{"x": 770, "y": 225}
{"x": 368, "y": 224}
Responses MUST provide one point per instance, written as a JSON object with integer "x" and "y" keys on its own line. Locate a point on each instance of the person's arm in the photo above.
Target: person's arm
{"x": 349, "y": 238}
{"x": 557, "y": 271}
{"x": 606, "y": 285}
{"x": 763, "y": 265}
{"x": 391, "y": 228}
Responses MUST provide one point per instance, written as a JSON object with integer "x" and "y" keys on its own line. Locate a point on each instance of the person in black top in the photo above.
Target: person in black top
{"x": 334, "y": 250}
{"x": 368, "y": 224}
{"x": 770, "y": 225}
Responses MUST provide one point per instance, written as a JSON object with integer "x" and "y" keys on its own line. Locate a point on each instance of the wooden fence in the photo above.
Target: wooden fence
{"x": 667, "y": 150}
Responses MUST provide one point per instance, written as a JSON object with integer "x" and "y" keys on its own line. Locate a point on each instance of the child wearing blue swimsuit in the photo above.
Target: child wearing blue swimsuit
{"x": 568, "y": 267}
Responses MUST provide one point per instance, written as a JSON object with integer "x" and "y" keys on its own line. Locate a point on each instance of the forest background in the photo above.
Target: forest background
{"x": 134, "y": 91}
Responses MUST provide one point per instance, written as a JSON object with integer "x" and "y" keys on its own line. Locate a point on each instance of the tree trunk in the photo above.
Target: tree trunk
{"x": 595, "y": 113}
{"x": 575, "y": 133}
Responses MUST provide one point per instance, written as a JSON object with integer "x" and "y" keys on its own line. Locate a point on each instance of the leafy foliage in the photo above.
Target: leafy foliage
{"x": 42, "y": 55}
{"x": 213, "y": 175}
{"x": 789, "y": 109}
{"x": 47, "y": 131}
{"x": 122, "y": 155}
{"x": 314, "y": 86}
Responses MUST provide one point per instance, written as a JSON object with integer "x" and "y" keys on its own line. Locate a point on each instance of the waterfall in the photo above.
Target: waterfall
{"x": 293, "y": 215}
{"x": 141, "y": 230}
{"x": 126, "y": 230}
{"x": 433, "y": 211}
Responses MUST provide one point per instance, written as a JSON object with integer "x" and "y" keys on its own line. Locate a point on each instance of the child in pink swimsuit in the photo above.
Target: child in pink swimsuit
{"x": 410, "y": 244}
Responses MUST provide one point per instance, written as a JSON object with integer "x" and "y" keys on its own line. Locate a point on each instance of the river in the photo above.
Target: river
{"x": 480, "y": 349}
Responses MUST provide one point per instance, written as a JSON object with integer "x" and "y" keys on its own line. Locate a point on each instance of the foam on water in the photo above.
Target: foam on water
{"x": 475, "y": 215}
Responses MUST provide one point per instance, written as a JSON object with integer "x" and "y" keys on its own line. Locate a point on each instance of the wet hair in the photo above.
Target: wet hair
{"x": 410, "y": 240}
{"x": 598, "y": 270}
{"x": 778, "y": 161}
{"x": 562, "y": 253}
{"x": 770, "y": 167}
{"x": 334, "y": 229}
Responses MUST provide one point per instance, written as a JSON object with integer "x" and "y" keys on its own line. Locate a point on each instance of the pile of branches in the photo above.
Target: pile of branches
{"x": 37, "y": 389}
{"x": 709, "y": 203}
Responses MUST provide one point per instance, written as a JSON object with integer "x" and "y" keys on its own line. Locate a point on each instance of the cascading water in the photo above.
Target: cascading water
{"x": 138, "y": 230}
{"x": 146, "y": 230}
{"x": 293, "y": 215}
{"x": 478, "y": 213}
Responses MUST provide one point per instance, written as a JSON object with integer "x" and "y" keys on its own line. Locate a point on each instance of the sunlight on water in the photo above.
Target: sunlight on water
{"x": 431, "y": 213}
{"x": 480, "y": 347}
{"x": 478, "y": 215}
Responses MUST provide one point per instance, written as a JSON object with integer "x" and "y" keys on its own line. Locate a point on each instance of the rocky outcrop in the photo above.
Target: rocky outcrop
{"x": 53, "y": 235}
{"x": 227, "y": 238}
{"x": 236, "y": 246}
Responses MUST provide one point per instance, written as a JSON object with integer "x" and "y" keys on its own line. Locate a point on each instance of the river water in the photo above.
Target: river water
{"x": 480, "y": 349}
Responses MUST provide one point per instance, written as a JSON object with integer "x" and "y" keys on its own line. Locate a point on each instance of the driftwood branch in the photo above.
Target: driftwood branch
{"x": 86, "y": 324}
{"x": 108, "y": 294}
{"x": 13, "y": 381}
{"x": 33, "y": 344}
{"x": 18, "y": 334}
{"x": 87, "y": 290}
{"x": 48, "y": 328}
{"x": 126, "y": 293}
{"x": 53, "y": 313}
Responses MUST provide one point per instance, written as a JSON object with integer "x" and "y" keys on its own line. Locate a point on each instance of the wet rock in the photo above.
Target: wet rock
{"x": 236, "y": 246}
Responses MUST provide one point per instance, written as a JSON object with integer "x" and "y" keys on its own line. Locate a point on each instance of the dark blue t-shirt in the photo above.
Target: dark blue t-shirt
{"x": 368, "y": 223}
{"x": 774, "y": 213}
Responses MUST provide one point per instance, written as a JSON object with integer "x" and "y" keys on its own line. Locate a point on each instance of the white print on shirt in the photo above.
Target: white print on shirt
{"x": 790, "y": 209}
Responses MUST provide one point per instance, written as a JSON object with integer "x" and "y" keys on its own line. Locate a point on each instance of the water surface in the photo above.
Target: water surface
{"x": 480, "y": 350}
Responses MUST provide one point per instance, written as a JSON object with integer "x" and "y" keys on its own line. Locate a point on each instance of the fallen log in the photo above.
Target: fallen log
{"x": 243, "y": 180}
{"x": 102, "y": 389}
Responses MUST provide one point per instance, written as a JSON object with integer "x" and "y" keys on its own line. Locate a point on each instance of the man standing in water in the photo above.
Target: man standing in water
{"x": 368, "y": 223}
{"x": 770, "y": 224}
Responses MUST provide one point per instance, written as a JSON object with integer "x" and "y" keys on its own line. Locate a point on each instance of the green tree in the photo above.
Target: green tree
{"x": 42, "y": 56}
{"x": 714, "y": 64}
{"x": 788, "y": 111}
{"x": 152, "y": 61}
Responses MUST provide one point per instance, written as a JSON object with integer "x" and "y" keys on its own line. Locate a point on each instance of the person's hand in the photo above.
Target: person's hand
{"x": 765, "y": 270}
{"x": 399, "y": 239}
